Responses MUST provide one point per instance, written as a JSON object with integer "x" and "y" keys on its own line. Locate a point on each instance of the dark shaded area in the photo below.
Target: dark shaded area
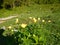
{"x": 7, "y": 6}
{"x": 1, "y": 7}
{"x": 17, "y": 3}
{"x": 2, "y": 38}
{"x": 8, "y": 40}
{"x": 1, "y": 2}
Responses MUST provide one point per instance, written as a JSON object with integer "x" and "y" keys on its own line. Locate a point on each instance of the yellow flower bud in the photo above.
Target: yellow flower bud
{"x": 17, "y": 20}
{"x": 23, "y": 25}
{"x": 43, "y": 20}
{"x": 34, "y": 20}
{"x": 9, "y": 27}
{"x": 38, "y": 18}
{"x": 49, "y": 20}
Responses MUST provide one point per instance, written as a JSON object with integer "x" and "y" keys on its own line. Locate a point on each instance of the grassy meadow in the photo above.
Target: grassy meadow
{"x": 37, "y": 11}
{"x": 36, "y": 24}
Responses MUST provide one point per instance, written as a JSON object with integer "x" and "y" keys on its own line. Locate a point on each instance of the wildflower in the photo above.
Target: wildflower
{"x": 23, "y": 25}
{"x": 9, "y": 27}
{"x": 38, "y": 18}
{"x": 43, "y": 20}
{"x": 34, "y": 20}
{"x": 17, "y": 20}
{"x": 30, "y": 17}
{"x": 34, "y": 35}
{"x": 49, "y": 20}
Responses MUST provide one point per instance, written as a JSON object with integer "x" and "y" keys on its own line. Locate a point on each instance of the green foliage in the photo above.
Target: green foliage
{"x": 14, "y": 3}
{"x": 40, "y": 33}
{"x": 34, "y": 34}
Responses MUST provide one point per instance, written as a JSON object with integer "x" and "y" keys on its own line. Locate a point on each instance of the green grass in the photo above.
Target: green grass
{"x": 37, "y": 33}
{"x": 33, "y": 11}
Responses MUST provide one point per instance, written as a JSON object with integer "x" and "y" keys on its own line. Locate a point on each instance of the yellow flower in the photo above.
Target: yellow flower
{"x": 17, "y": 20}
{"x": 43, "y": 20}
{"x": 34, "y": 20}
{"x": 9, "y": 27}
{"x": 23, "y": 25}
{"x": 30, "y": 17}
{"x": 38, "y": 18}
{"x": 49, "y": 20}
